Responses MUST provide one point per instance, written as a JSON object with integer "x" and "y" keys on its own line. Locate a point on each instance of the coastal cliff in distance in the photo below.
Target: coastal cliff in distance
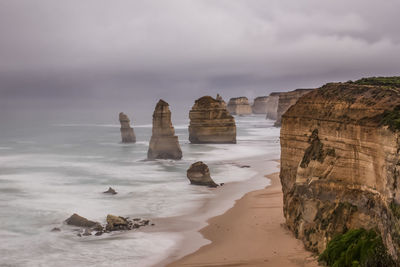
{"x": 239, "y": 106}
{"x": 340, "y": 164}
{"x": 260, "y": 105}
{"x": 127, "y": 133}
{"x": 286, "y": 100}
{"x": 164, "y": 143}
{"x": 272, "y": 106}
{"x": 210, "y": 122}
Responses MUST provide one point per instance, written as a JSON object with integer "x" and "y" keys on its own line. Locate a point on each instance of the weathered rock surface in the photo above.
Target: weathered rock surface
{"x": 239, "y": 106}
{"x": 260, "y": 105}
{"x": 210, "y": 122}
{"x": 272, "y": 106}
{"x": 340, "y": 164}
{"x": 80, "y": 221}
{"x": 286, "y": 100}
{"x": 110, "y": 191}
{"x": 199, "y": 174}
{"x": 164, "y": 143}
{"x": 219, "y": 98}
{"x": 127, "y": 133}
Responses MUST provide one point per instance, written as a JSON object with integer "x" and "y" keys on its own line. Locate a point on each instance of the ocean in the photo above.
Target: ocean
{"x": 47, "y": 173}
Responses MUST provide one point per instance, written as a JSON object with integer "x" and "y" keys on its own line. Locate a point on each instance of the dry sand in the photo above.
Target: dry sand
{"x": 252, "y": 233}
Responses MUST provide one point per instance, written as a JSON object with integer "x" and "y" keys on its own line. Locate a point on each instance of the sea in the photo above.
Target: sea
{"x": 47, "y": 173}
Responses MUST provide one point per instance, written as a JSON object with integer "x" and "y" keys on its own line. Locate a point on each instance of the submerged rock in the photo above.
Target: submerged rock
{"x": 56, "y": 229}
{"x": 210, "y": 122}
{"x": 110, "y": 191}
{"x": 199, "y": 174}
{"x": 80, "y": 221}
{"x": 116, "y": 223}
{"x": 127, "y": 133}
{"x": 164, "y": 143}
{"x": 239, "y": 106}
{"x": 260, "y": 105}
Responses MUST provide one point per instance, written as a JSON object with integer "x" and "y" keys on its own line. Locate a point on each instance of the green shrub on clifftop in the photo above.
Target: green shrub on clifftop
{"x": 357, "y": 247}
{"x": 380, "y": 81}
{"x": 392, "y": 118}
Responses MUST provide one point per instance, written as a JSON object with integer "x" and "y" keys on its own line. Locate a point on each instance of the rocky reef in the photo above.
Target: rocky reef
{"x": 340, "y": 163}
{"x": 272, "y": 106}
{"x": 210, "y": 122}
{"x": 199, "y": 174}
{"x": 127, "y": 133}
{"x": 239, "y": 106}
{"x": 260, "y": 105}
{"x": 164, "y": 143}
{"x": 286, "y": 100}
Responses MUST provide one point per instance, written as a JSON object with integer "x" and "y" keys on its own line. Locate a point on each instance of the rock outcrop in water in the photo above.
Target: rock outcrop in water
{"x": 80, "y": 221}
{"x": 260, "y": 105}
{"x": 220, "y": 99}
{"x": 272, "y": 106}
{"x": 127, "y": 133}
{"x": 199, "y": 174}
{"x": 164, "y": 143}
{"x": 286, "y": 100}
{"x": 340, "y": 163}
{"x": 210, "y": 122}
{"x": 239, "y": 106}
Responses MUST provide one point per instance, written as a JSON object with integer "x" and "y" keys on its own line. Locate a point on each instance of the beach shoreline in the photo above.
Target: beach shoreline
{"x": 260, "y": 237}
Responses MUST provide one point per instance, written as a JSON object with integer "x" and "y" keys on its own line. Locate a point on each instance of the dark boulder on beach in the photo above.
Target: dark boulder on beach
{"x": 110, "y": 191}
{"x": 80, "y": 221}
{"x": 199, "y": 174}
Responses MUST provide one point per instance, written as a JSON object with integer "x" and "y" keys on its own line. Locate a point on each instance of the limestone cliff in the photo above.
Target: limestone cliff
{"x": 340, "y": 163}
{"x": 272, "y": 106}
{"x": 239, "y": 106}
{"x": 164, "y": 143}
{"x": 210, "y": 122}
{"x": 127, "y": 133}
{"x": 260, "y": 105}
{"x": 286, "y": 100}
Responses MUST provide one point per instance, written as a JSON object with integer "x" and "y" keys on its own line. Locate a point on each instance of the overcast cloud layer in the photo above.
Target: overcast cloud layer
{"x": 129, "y": 52}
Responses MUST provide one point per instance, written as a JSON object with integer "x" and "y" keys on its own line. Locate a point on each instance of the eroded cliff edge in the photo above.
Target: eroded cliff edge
{"x": 340, "y": 163}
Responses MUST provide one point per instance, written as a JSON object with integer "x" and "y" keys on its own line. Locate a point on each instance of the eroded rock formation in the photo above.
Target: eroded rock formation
{"x": 164, "y": 143}
{"x": 260, "y": 105}
{"x": 272, "y": 106}
{"x": 77, "y": 220}
{"x": 210, "y": 122}
{"x": 219, "y": 98}
{"x": 340, "y": 163}
{"x": 199, "y": 174}
{"x": 286, "y": 100}
{"x": 239, "y": 106}
{"x": 127, "y": 133}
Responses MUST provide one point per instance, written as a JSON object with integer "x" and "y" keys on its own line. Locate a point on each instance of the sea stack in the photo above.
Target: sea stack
{"x": 340, "y": 163}
{"x": 272, "y": 106}
{"x": 210, "y": 122}
{"x": 127, "y": 133}
{"x": 164, "y": 143}
{"x": 286, "y": 100}
{"x": 239, "y": 106}
{"x": 219, "y": 98}
{"x": 199, "y": 174}
{"x": 260, "y": 105}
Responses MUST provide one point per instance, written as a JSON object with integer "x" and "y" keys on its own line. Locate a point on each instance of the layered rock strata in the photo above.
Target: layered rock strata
{"x": 340, "y": 164}
{"x": 220, "y": 99}
{"x": 260, "y": 105}
{"x": 210, "y": 122}
{"x": 286, "y": 100}
{"x": 127, "y": 133}
{"x": 164, "y": 143}
{"x": 272, "y": 106}
{"x": 239, "y": 106}
{"x": 199, "y": 174}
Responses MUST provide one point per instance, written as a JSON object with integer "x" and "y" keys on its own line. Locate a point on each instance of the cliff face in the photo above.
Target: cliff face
{"x": 239, "y": 106}
{"x": 340, "y": 164}
{"x": 127, "y": 133}
{"x": 260, "y": 105}
{"x": 272, "y": 106}
{"x": 163, "y": 143}
{"x": 210, "y": 122}
{"x": 286, "y": 100}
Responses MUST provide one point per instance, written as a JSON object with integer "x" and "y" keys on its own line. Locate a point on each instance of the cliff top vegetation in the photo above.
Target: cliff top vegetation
{"x": 393, "y": 81}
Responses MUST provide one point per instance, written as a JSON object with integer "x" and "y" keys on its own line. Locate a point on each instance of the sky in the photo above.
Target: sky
{"x": 109, "y": 55}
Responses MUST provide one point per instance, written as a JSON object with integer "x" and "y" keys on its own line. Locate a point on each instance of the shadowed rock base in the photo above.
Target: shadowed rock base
{"x": 199, "y": 174}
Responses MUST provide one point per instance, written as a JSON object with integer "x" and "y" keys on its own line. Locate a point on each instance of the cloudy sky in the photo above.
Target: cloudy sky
{"x": 96, "y": 53}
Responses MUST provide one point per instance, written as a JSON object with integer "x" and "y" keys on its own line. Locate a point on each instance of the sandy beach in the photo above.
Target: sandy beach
{"x": 252, "y": 233}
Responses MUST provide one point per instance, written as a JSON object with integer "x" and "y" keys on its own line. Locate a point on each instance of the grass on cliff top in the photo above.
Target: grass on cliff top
{"x": 380, "y": 81}
{"x": 357, "y": 247}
